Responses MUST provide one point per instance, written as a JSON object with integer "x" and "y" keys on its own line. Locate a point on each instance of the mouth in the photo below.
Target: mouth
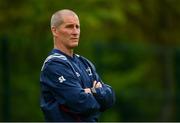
{"x": 75, "y": 39}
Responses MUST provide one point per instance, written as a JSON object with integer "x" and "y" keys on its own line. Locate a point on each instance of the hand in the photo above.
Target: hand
{"x": 87, "y": 90}
{"x": 97, "y": 84}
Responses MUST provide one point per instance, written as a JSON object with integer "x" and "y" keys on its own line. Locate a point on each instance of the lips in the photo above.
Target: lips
{"x": 75, "y": 38}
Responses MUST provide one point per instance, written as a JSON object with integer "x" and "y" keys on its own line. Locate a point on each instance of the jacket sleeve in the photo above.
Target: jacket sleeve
{"x": 105, "y": 95}
{"x": 64, "y": 84}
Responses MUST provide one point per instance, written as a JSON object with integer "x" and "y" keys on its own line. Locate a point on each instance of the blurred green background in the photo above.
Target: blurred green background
{"x": 133, "y": 43}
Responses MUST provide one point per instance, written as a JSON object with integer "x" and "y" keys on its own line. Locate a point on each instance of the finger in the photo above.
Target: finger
{"x": 98, "y": 85}
{"x": 94, "y": 84}
{"x": 87, "y": 90}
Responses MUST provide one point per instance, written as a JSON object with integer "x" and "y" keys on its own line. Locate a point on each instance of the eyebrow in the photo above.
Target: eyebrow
{"x": 72, "y": 24}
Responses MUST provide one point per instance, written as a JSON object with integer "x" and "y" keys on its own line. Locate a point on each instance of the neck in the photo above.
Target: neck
{"x": 68, "y": 52}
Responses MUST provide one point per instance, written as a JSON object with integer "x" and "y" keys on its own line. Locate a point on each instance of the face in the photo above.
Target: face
{"x": 68, "y": 32}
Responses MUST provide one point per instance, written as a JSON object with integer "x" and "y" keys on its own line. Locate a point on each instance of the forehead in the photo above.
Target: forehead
{"x": 71, "y": 19}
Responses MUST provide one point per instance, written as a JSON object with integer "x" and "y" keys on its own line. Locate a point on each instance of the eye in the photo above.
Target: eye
{"x": 77, "y": 26}
{"x": 71, "y": 26}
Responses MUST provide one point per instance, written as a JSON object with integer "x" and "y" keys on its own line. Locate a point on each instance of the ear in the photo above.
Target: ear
{"x": 54, "y": 31}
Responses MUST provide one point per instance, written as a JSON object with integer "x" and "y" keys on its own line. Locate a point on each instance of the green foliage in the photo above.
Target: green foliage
{"x": 130, "y": 42}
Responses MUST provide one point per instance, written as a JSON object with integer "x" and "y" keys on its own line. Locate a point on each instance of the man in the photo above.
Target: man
{"x": 71, "y": 90}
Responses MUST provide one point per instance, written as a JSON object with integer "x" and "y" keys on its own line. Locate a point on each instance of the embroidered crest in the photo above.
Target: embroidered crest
{"x": 88, "y": 70}
{"x": 61, "y": 79}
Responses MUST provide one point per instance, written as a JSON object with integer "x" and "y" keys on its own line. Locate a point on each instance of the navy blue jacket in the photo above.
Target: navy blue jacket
{"x": 63, "y": 79}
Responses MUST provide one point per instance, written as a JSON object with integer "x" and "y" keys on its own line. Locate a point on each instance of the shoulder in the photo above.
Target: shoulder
{"x": 86, "y": 61}
{"x": 82, "y": 58}
{"x": 56, "y": 56}
{"x": 54, "y": 59}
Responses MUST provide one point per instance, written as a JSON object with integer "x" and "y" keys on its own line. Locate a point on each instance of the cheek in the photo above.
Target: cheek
{"x": 65, "y": 34}
{"x": 62, "y": 36}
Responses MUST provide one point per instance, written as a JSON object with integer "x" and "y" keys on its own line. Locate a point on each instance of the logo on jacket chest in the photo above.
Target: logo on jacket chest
{"x": 61, "y": 79}
{"x": 88, "y": 70}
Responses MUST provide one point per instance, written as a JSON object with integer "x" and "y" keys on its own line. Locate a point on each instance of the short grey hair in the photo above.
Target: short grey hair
{"x": 57, "y": 17}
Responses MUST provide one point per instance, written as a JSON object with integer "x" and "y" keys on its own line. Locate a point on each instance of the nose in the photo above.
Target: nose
{"x": 76, "y": 31}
